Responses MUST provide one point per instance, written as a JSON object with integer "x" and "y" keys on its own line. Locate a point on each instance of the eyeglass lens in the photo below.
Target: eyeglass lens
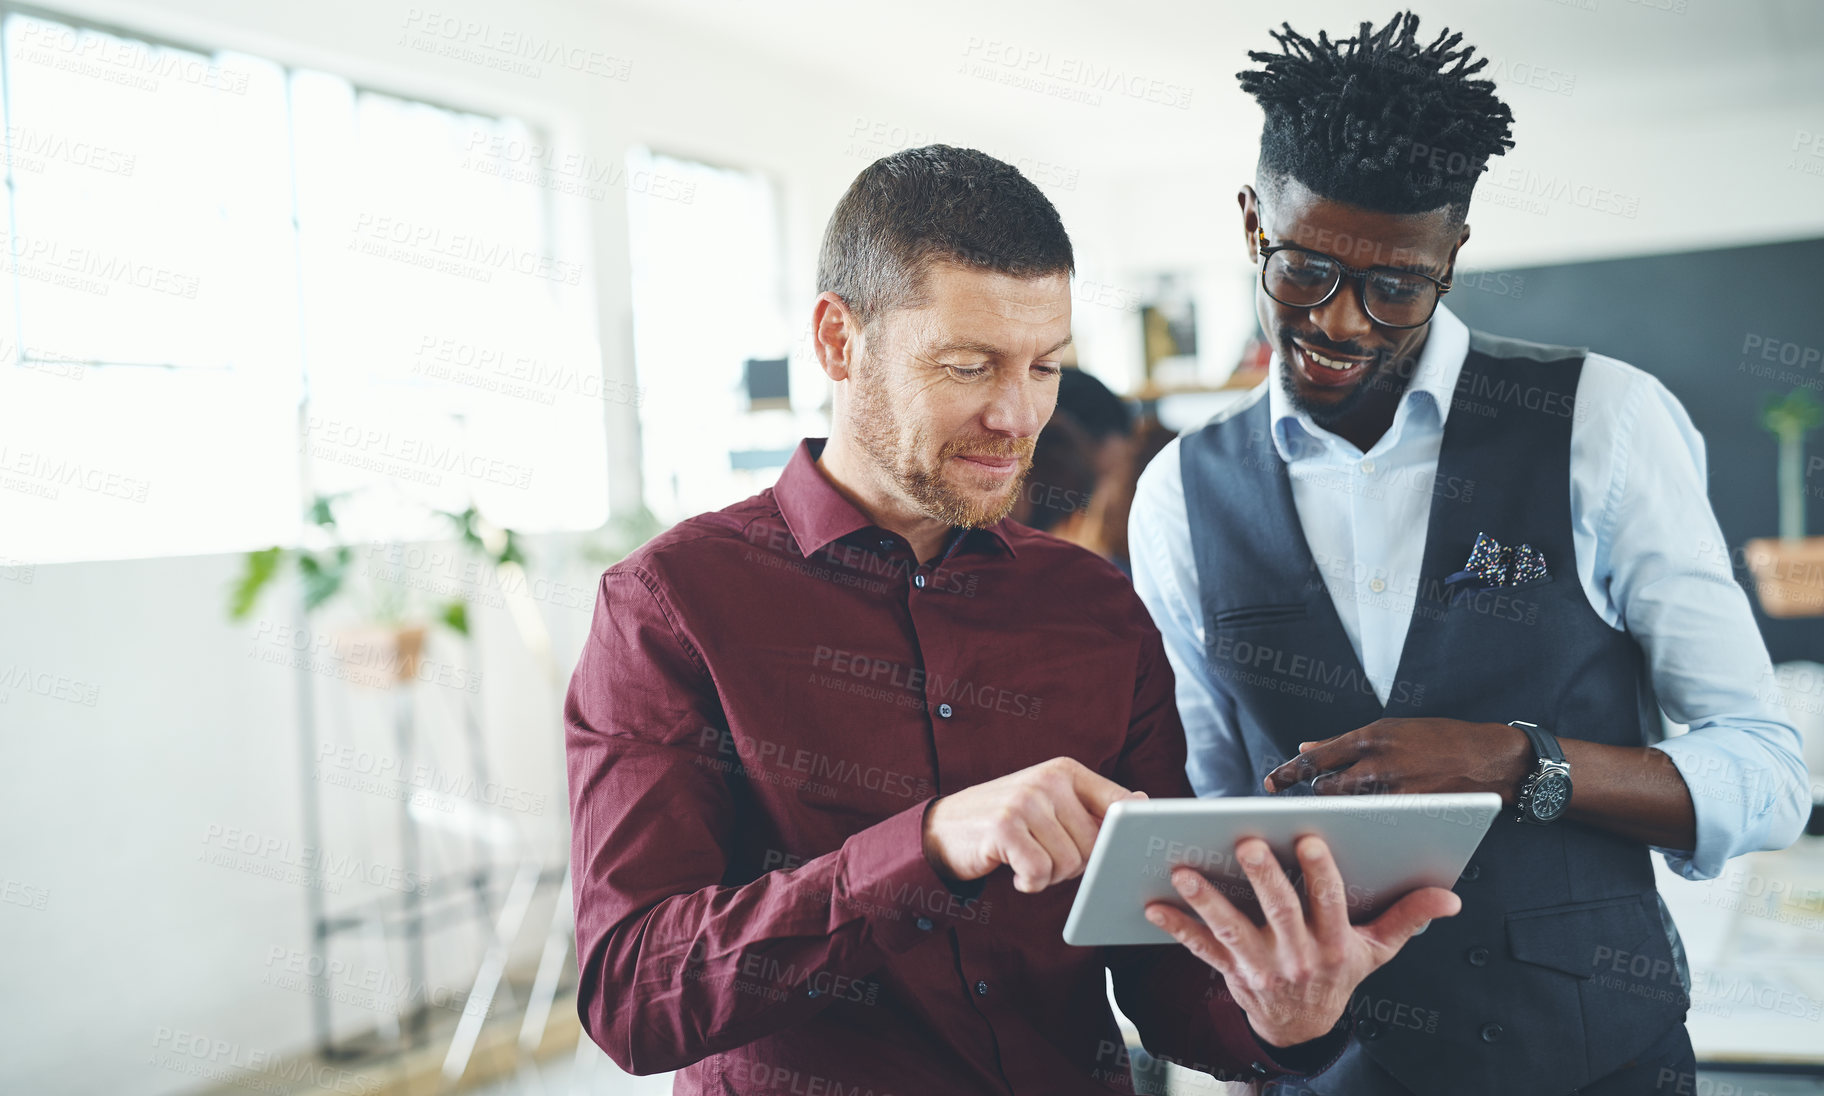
{"x": 1303, "y": 279}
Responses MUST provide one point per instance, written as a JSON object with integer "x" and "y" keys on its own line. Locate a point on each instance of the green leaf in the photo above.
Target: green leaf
{"x": 1792, "y": 416}
{"x": 465, "y": 521}
{"x": 456, "y": 616}
{"x": 321, "y": 581}
{"x": 261, "y": 567}
{"x": 320, "y": 512}
{"x": 511, "y": 551}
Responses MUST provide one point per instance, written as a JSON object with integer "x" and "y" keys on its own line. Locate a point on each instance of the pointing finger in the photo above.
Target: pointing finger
{"x": 1096, "y": 792}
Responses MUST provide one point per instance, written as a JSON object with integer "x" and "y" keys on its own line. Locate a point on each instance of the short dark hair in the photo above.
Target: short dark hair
{"x": 1378, "y": 120}
{"x": 936, "y": 204}
{"x": 1093, "y": 405}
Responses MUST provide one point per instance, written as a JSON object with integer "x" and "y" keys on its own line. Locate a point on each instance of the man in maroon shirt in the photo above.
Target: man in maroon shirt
{"x": 837, "y": 753}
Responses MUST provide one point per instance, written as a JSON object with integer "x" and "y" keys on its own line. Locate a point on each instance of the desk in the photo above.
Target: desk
{"x": 1755, "y": 939}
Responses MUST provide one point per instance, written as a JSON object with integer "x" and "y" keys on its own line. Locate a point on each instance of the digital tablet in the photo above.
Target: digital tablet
{"x": 1384, "y": 847}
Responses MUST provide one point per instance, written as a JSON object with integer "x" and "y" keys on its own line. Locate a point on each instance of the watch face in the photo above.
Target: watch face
{"x": 1551, "y": 796}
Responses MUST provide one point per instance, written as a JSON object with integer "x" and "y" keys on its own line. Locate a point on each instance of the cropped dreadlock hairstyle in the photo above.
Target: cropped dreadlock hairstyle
{"x": 1379, "y": 120}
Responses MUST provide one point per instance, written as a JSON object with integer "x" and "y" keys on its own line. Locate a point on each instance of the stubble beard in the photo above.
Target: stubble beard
{"x": 896, "y": 448}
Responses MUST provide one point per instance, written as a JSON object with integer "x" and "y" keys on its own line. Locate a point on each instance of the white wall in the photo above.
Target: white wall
{"x": 191, "y": 733}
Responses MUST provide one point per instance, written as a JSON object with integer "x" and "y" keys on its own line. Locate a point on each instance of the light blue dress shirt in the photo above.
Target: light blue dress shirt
{"x": 1650, "y": 558}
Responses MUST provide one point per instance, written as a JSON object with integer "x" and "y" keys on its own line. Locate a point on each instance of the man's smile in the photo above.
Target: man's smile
{"x": 1326, "y": 369}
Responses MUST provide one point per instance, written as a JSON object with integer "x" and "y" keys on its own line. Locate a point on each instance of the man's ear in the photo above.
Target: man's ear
{"x": 1450, "y": 269}
{"x": 835, "y": 336}
{"x": 1250, "y": 221}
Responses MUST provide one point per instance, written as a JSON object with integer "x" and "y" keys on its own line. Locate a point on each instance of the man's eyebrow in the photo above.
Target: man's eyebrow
{"x": 989, "y": 350}
{"x": 1412, "y": 266}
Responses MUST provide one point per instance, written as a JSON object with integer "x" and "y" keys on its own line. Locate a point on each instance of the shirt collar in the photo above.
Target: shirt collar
{"x": 817, "y": 513}
{"x": 1433, "y": 380}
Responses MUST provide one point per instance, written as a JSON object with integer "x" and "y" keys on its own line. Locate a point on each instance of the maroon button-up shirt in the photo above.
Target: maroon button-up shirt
{"x": 769, "y": 699}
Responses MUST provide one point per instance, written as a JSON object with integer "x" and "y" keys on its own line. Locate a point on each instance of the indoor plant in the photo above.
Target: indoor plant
{"x": 1788, "y": 570}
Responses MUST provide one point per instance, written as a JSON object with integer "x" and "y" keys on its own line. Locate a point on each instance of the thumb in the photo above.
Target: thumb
{"x": 1388, "y": 933}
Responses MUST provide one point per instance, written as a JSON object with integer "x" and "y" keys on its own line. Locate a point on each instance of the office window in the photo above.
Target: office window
{"x": 229, "y": 283}
{"x": 443, "y": 326}
{"x": 709, "y": 297}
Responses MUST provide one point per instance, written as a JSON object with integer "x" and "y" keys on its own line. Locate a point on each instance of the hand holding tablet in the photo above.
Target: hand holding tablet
{"x": 1150, "y": 863}
{"x": 1294, "y": 974}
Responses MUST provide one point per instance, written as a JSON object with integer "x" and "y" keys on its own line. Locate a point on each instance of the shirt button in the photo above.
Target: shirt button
{"x": 886, "y": 544}
{"x": 1377, "y": 585}
{"x": 981, "y": 989}
{"x": 944, "y": 710}
{"x": 918, "y": 581}
{"x": 1491, "y": 1033}
{"x": 924, "y": 924}
{"x": 1368, "y": 467}
{"x": 1478, "y": 957}
{"x": 1471, "y": 873}
{"x": 812, "y": 992}
{"x": 1368, "y": 1029}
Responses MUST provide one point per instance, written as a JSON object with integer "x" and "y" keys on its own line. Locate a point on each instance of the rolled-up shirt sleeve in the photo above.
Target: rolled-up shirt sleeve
{"x": 665, "y": 942}
{"x": 1669, "y": 581}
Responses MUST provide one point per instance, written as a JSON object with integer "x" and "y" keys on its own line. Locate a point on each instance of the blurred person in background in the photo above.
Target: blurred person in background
{"x": 1059, "y": 493}
{"x": 1150, "y": 439}
{"x": 1109, "y": 426}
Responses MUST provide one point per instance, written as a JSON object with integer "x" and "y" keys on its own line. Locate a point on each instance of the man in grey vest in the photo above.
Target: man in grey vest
{"x": 1422, "y": 559}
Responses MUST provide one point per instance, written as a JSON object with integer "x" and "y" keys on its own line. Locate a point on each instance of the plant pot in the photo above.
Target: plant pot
{"x": 1788, "y": 575}
{"x": 382, "y": 656}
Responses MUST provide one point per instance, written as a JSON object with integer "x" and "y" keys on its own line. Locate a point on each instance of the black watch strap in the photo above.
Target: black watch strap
{"x": 1545, "y": 743}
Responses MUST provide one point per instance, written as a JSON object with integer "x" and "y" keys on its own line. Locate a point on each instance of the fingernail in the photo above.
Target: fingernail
{"x": 1155, "y": 916}
{"x": 1186, "y": 882}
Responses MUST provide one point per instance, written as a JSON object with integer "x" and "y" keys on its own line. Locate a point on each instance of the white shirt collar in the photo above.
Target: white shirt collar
{"x": 1434, "y": 380}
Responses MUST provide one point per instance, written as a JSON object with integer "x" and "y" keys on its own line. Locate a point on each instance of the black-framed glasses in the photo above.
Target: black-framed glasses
{"x": 1303, "y": 278}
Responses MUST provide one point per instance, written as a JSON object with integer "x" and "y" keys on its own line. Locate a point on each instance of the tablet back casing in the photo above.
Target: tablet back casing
{"x": 1384, "y": 845}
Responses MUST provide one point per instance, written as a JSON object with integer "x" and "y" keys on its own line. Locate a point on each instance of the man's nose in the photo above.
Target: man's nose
{"x": 1342, "y": 318}
{"x": 1018, "y": 408}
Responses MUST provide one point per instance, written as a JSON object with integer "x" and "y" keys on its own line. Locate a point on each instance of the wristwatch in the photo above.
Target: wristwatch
{"x": 1546, "y": 791}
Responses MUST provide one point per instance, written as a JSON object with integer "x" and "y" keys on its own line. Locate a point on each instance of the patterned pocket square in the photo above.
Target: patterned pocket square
{"x": 1490, "y": 564}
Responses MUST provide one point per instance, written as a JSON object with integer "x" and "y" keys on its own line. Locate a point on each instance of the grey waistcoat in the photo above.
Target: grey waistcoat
{"x": 1560, "y": 967}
